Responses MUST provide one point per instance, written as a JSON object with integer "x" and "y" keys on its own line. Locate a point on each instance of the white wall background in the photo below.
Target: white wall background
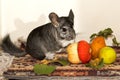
{"x": 19, "y": 17}
{"x": 0, "y": 20}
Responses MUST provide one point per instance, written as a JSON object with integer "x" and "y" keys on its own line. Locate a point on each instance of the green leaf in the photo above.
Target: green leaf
{"x": 115, "y": 42}
{"x": 93, "y": 36}
{"x": 43, "y": 69}
{"x": 88, "y": 65}
{"x": 100, "y": 33}
{"x": 108, "y": 30}
{"x": 105, "y": 33}
{"x": 101, "y": 64}
{"x": 98, "y": 66}
{"x": 63, "y": 62}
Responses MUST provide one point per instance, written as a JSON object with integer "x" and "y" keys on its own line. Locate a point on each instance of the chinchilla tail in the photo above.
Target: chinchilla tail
{"x": 8, "y": 47}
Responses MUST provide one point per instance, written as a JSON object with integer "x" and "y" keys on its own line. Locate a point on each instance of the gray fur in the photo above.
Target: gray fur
{"x": 44, "y": 41}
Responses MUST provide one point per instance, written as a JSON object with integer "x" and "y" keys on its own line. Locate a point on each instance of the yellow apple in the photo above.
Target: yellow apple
{"x": 108, "y": 55}
{"x": 73, "y": 53}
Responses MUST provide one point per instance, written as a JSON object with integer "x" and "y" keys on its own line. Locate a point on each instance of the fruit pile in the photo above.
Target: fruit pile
{"x": 94, "y": 53}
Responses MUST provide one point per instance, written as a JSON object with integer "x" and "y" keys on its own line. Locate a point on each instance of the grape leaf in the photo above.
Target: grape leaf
{"x": 105, "y": 33}
{"x": 43, "y": 69}
{"x": 93, "y": 36}
{"x": 115, "y": 42}
{"x": 63, "y": 62}
{"x": 101, "y": 64}
{"x": 97, "y": 66}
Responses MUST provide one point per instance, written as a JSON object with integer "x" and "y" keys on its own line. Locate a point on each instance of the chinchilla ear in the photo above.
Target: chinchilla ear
{"x": 54, "y": 19}
{"x": 71, "y": 16}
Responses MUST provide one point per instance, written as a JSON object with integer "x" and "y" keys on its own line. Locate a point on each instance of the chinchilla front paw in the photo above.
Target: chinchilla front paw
{"x": 50, "y": 56}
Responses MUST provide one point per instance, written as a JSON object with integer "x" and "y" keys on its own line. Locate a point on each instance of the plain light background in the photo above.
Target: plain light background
{"x": 19, "y": 17}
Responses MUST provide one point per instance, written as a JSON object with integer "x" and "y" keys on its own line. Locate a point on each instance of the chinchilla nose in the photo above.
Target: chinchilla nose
{"x": 71, "y": 37}
{"x": 74, "y": 36}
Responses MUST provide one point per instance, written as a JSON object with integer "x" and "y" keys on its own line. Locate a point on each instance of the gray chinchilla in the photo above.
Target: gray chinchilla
{"x": 45, "y": 40}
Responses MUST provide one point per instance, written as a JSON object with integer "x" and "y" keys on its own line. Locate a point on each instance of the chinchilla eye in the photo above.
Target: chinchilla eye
{"x": 64, "y": 29}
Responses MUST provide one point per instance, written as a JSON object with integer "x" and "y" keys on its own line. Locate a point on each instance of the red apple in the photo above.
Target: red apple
{"x": 84, "y": 51}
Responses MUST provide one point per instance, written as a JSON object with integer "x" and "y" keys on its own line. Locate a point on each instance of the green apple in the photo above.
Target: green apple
{"x": 108, "y": 54}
